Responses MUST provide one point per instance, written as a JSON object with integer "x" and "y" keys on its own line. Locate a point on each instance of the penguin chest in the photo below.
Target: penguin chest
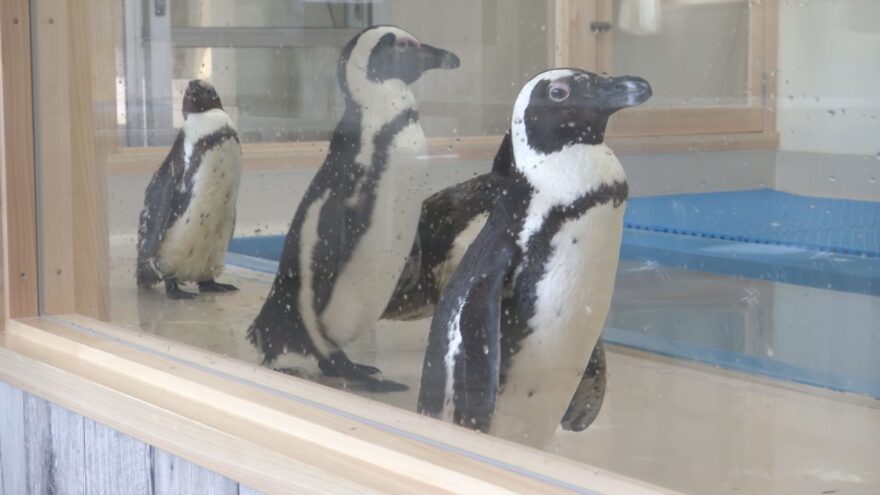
{"x": 194, "y": 246}
{"x": 368, "y": 278}
{"x": 572, "y": 299}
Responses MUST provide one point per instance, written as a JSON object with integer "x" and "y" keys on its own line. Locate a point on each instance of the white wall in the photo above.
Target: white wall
{"x": 829, "y": 61}
{"x": 829, "y": 99}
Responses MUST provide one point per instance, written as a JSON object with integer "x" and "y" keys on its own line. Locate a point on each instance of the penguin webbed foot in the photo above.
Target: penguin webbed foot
{"x": 328, "y": 368}
{"x": 173, "y": 291}
{"x": 359, "y": 376}
{"x": 212, "y": 286}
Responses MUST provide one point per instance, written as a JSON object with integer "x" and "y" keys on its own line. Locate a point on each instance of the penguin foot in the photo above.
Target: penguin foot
{"x": 358, "y": 375}
{"x": 293, "y": 372}
{"x": 376, "y": 385}
{"x": 328, "y": 368}
{"x": 173, "y": 291}
{"x": 212, "y": 286}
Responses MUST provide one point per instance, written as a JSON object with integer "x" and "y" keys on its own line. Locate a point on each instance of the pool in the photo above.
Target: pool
{"x": 828, "y": 246}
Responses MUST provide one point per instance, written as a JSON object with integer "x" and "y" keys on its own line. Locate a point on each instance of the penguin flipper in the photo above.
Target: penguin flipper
{"x": 590, "y": 394}
{"x": 156, "y": 215}
{"x": 468, "y": 317}
{"x": 444, "y": 216}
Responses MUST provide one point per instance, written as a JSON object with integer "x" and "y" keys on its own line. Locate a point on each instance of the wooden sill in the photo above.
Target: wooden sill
{"x": 310, "y": 155}
{"x": 275, "y": 433}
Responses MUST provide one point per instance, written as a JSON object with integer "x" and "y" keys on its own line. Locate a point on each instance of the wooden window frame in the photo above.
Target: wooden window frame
{"x": 577, "y": 46}
{"x": 636, "y": 131}
{"x": 272, "y": 432}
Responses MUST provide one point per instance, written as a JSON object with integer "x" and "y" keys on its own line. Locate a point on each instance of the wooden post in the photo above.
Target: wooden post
{"x": 76, "y": 128}
{"x": 17, "y": 190}
{"x": 575, "y": 44}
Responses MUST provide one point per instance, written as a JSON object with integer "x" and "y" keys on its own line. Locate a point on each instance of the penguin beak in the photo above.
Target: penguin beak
{"x": 626, "y": 91}
{"x": 436, "y": 58}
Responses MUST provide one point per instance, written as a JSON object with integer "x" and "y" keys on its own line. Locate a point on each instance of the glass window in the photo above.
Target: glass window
{"x": 688, "y": 296}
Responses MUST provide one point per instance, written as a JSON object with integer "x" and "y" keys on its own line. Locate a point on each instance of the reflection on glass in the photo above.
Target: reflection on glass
{"x": 694, "y": 53}
{"x": 744, "y": 317}
{"x": 354, "y": 228}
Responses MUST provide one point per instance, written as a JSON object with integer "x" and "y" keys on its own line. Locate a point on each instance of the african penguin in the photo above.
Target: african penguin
{"x": 450, "y": 220}
{"x": 514, "y": 329}
{"x": 189, "y": 205}
{"x": 353, "y": 229}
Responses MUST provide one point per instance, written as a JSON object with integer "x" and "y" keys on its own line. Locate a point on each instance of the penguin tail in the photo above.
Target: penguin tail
{"x": 260, "y": 337}
{"x": 147, "y": 275}
{"x": 274, "y": 330}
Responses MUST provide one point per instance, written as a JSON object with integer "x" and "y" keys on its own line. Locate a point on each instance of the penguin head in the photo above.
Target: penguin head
{"x": 564, "y": 107}
{"x": 200, "y": 96}
{"x": 387, "y": 57}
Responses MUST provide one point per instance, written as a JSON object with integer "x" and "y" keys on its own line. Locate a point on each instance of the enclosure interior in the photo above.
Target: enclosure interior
{"x": 743, "y": 340}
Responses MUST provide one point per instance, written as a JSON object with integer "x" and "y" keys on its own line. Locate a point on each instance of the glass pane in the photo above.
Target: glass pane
{"x": 277, "y": 95}
{"x": 271, "y": 13}
{"x": 354, "y": 187}
{"x": 705, "y": 41}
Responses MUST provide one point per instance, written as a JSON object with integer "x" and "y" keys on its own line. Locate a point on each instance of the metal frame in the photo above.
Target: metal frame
{"x": 150, "y": 37}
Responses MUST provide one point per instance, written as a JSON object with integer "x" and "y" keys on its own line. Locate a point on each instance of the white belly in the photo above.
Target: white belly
{"x": 573, "y": 298}
{"x": 367, "y": 280}
{"x": 194, "y": 247}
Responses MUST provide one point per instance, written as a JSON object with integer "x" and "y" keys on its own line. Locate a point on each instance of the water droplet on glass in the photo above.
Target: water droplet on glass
{"x": 832, "y": 178}
{"x": 832, "y": 113}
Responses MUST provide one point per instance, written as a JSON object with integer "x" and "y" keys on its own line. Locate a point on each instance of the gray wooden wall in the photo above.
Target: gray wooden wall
{"x": 46, "y": 449}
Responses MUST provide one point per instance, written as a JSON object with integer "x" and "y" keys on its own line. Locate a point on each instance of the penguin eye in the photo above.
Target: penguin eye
{"x": 559, "y": 92}
{"x": 403, "y": 43}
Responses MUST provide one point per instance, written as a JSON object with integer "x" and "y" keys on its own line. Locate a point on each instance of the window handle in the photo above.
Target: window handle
{"x": 600, "y": 26}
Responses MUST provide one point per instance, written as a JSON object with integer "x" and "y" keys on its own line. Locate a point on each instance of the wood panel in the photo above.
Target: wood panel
{"x": 575, "y": 45}
{"x": 17, "y": 187}
{"x": 310, "y": 154}
{"x": 272, "y": 441}
{"x": 13, "y": 465}
{"x": 639, "y": 122}
{"x": 54, "y": 445}
{"x": 604, "y": 59}
{"x": 67, "y": 453}
{"x": 173, "y": 475}
{"x": 75, "y": 77}
{"x": 52, "y": 108}
{"x": 93, "y": 28}
{"x": 770, "y": 46}
{"x": 115, "y": 463}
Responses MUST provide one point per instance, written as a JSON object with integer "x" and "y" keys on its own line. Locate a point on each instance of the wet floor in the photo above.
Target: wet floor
{"x": 690, "y": 427}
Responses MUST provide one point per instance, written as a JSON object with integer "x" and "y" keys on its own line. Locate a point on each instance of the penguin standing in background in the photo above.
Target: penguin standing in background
{"x": 450, "y": 221}
{"x": 189, "y": 206}
{"x": 516, "y": 325}
{"x": 353, "y": 229}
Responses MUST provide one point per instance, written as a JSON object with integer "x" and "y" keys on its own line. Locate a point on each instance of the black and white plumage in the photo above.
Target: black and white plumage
{"x": 189, "y": 206}
{"x": 450, "y": 221}
{"x": 516, "y": 325}
{"x": 353, "y": 229}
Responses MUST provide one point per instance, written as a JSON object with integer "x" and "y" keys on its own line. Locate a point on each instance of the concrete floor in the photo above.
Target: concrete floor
{"x": 692, "y": 428}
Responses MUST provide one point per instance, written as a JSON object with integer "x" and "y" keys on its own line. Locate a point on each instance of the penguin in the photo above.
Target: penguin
{"x": 514, "y": 329}
{"x": 450, "y": 220}
{"x": 351, "y": 234}
{"x": 448, "y": 223}
{"x": 189, "y": 206}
